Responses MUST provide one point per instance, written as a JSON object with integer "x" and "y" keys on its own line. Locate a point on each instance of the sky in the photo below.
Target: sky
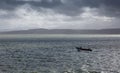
{"x": 59, "y": 14}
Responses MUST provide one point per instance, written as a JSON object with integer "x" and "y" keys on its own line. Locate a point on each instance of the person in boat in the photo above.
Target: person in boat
{"x": 82, "y": 49}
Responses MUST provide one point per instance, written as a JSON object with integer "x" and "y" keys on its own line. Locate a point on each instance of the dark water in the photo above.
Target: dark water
{"x": 58, "y": 55}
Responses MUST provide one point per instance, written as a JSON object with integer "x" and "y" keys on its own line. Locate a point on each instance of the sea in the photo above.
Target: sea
{"x": 56, "y": 53}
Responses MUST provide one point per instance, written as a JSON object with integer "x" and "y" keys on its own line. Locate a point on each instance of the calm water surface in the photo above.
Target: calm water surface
{"x": 57, "y": 54}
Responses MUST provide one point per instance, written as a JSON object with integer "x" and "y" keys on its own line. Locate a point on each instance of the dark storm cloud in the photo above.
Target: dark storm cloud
{"x": 11, "y": 4}
{"x": 69, "y": 7}
{"x": 105, "y": 7}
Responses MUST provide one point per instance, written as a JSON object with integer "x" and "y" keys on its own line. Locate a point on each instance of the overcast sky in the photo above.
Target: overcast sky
{"x": 59, "y": 14}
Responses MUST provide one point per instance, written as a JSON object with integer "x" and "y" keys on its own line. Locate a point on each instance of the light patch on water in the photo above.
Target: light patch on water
{"x": 58, "y": 36}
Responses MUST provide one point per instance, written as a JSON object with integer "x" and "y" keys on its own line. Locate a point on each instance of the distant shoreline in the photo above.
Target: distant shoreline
{"x": 64, "y": 31}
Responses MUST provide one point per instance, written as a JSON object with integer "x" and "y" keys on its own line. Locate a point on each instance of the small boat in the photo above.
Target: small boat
{"x": 83, "y": 49}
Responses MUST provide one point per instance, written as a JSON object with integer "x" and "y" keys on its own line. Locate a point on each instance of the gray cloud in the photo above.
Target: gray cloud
{"x": 74, "y": 14}
{"x": 70, "y": 7}
{"x": 11, "y": 4}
